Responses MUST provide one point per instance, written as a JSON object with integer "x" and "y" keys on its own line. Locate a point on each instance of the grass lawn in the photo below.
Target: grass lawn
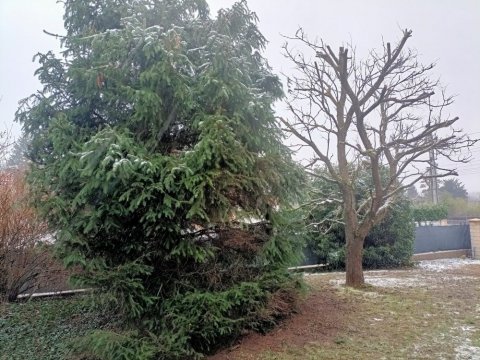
{"x": 423, "y": 313}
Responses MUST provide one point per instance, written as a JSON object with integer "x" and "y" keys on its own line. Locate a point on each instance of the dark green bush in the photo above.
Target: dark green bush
{"x": 389, "y": 244}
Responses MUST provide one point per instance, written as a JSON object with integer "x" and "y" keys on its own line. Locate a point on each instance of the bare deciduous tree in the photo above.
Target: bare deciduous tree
{"x": 24, "y": 263}
{"x": 5, "y": 144}
{"x": 385, "y": 114}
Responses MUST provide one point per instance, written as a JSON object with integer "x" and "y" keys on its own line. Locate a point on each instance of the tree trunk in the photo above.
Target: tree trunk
{"x": 354, "y": 242}
{"x": 353, "y": 259}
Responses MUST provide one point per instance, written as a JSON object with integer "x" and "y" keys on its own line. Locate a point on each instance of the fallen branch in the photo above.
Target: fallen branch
{"x": 54, "y": 293}
{"x": 307, "y": 267}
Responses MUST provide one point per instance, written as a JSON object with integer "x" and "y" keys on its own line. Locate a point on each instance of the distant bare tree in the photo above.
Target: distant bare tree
{"x": 380, "y": 114}
{"x": 5, "y": 144}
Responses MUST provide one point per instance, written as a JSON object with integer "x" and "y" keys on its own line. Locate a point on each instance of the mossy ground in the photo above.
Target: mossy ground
{"x": 44, "y": 329}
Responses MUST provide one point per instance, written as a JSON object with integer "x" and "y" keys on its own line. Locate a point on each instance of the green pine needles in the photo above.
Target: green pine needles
{"x": 158, "y": 162}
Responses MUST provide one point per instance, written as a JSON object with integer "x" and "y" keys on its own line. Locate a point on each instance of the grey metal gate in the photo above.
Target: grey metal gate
{"x": 441, "y": 238}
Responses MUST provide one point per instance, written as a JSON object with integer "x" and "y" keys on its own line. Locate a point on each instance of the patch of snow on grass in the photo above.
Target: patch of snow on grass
{"x": 393, "y": 282}
{"x": 390, "y": 282}
{"x": 413, "y": 281}
{"x": 465, "y": 350}
{"x": 446, "y": 264}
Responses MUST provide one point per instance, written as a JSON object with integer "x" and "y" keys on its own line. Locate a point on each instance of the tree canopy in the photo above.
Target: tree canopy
{"x": 453, "y": 188}
{"x": 158, "y": 162}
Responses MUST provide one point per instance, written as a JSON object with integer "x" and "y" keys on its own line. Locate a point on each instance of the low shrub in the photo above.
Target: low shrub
{"x": 197, "y": 322}
{"x": 429, "y": 212}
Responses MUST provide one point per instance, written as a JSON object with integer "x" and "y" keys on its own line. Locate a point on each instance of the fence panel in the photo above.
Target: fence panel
{"x": 441, "y": 238}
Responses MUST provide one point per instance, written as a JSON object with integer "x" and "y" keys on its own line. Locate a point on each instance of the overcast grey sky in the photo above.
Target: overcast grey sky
{"x": 444, "y": 31}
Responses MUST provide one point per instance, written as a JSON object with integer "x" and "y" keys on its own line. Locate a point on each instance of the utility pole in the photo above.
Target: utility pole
{"x": 433, "y": 165}
{"x": 433, "y": 175}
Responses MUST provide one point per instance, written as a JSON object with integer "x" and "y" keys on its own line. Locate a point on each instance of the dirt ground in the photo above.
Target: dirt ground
{"x": 431, "y": 311}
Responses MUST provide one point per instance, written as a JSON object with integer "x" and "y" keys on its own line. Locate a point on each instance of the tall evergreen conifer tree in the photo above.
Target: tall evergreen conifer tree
{"x": 154, "y": 145}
